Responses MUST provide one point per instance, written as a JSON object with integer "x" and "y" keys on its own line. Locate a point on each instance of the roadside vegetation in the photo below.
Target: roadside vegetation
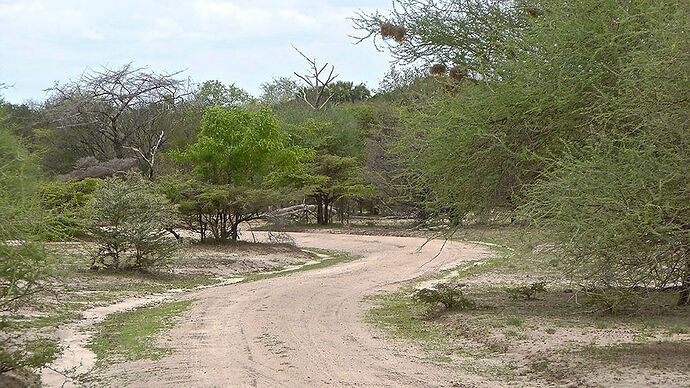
{"x": 562, "y": 334}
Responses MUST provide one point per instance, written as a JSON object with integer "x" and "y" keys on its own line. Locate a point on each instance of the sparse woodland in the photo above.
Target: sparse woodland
{"x": 567, "y": 118}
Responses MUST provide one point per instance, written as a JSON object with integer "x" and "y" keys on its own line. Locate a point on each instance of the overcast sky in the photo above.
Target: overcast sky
{"x": 234, "y": 41}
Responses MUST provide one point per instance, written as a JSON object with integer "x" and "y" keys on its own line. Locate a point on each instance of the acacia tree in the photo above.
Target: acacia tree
{"x": 280, "y": 90}
{"x": 581, "y": 115}
{"x": 215, "y": 93}
{"x": 470, "y": 34}
{"x": 23, "y": 260}
{"x": 129, "y": 223}
{"x": 239, "y": 156}
{"x": 332, "y": 177}
{"x": 110, "y": 111}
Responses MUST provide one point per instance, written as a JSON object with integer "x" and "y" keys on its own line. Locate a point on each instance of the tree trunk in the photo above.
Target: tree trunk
{"x": 177, "y": 235}
{"x": 234, "y": 234}
{"x": 326, "y": 211}
{"x": 684, "y": 299}
{"x": 319, "y": 210}
{"x": 202, "y": 230}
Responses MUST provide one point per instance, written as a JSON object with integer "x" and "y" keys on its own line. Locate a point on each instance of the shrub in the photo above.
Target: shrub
{"x": 527, "y": 292}
{"x": 450, "y": 296}
{"x": 65, "y": 201}
{"x": 611, "y": 300}
{"x": 128, "y": 222}
{"x": 16, "y": 355}
{"x": 23, "y": 262}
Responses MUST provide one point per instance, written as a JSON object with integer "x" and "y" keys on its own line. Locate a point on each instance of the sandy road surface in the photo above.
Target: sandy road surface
{"x": 304, "y": 329}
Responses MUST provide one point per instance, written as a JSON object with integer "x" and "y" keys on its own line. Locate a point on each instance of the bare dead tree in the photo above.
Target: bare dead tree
{"x": 112, "y": 110}
{"x": 316, "y": 83}
{"x": 150, "y": 156}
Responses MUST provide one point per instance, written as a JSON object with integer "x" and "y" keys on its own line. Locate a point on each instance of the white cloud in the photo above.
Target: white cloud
{"x": 242, "y": 41}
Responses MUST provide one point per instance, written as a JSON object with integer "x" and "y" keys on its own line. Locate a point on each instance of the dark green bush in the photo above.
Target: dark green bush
{"x": 66, "y": 202}
{"x": 450, "y": 296}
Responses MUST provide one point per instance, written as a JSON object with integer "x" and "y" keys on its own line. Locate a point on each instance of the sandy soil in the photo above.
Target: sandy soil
{"x": 304, "y": 329}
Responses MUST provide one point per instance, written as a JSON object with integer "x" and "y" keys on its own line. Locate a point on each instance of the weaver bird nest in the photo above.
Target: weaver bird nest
{"x": 389, "y": 30}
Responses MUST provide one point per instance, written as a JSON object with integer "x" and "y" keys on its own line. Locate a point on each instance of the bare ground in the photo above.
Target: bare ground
{"x": 304, "y": 329}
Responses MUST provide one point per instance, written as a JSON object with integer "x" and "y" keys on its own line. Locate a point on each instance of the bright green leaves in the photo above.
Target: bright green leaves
{"x": 241, "y": 147}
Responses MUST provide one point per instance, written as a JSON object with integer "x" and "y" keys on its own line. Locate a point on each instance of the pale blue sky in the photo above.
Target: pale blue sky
{"x": 241, "y": 41}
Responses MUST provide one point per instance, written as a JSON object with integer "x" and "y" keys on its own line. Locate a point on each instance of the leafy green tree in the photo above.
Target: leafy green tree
{"x": 129, "y": 224}
{"x": 215, "y": 93}
{"x": 240, "y": 157}
{"x": 216, "y": 210}
{"x": 577, "y": 111}
{"x": 332, "y": 177}
{"x": 279, "y": 91}
{"x": 343, "y": 91}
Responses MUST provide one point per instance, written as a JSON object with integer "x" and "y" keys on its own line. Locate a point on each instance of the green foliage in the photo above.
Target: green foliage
{"x": 621, "y": 215}
{"x": 335, "y": 173}
{"x": 343, "y": 91}
{"x": 215, "y": 93}
{"x": 131, "y": 335}
{"x": 576, "y": 111}
{"x": 279, "y": 91}
{"x": 620, "y": 206}
{"x": 23, "y": 262}
{"x": 450, "y": 296}
{"x": 240, "y": 147}
{"x": 22, "y": 222}
{"x": 66, "y": 201}
{"x": 334, "y": 129}
{"x": 128, "y": 222}
{"x": 35, "y": 353}
{"x": 240, "y": 158}
{"x": 527, "y": 292}
{"x": 216, "y": 210}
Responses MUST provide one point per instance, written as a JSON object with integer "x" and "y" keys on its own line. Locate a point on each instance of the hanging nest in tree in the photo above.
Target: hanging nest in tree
{"x": 533, "y": 12}
{"x": 389, "y": 30}
{"x": 438, "y": 69}
{"x": 458, "y": 73}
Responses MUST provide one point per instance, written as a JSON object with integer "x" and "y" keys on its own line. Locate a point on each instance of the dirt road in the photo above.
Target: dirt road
{"x": 303, "y": 329}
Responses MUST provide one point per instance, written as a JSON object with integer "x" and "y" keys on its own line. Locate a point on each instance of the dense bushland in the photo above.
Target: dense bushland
{"x": 572, "y": 115}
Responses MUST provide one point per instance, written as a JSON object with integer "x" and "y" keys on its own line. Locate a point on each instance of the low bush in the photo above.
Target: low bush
{"x": 65, "y": 201}
{"x": 129, "y": 223}
{"x": 527, "y": 292}
{"x": 450, "y": 296}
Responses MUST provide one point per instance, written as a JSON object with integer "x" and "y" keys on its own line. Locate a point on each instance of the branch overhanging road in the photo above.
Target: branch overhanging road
{"x": 303, "y": 329}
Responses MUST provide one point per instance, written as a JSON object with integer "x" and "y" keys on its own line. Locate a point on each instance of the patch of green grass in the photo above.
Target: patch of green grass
{"x": 335, "y": 258}
{"x": 398, "y": 314}
{"x": 51, "y": 320}
{"x": 511, "y": 333}
{"x": 131, "y": 335}
{"x": 678, "y": 330}
{"x": 550, "y": 331}
{"x": 514, "y": 321}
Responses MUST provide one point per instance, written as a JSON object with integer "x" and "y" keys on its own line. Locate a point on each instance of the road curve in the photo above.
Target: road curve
{"x": 303, "y": 329}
